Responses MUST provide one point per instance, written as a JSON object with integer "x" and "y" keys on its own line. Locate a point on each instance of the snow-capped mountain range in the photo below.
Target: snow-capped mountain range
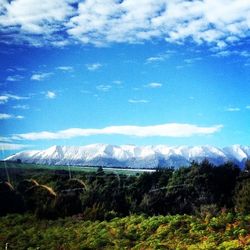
{"x": 133, "y": 156}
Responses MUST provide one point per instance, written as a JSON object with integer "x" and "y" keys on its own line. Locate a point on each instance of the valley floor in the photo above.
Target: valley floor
{"x": 225, "y": 231}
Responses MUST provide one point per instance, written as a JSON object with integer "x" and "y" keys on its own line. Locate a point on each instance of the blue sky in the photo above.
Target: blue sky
{"x": 124, "y": 72}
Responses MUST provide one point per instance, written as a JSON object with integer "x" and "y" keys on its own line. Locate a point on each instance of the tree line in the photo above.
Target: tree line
{"x": 197, "y": 189}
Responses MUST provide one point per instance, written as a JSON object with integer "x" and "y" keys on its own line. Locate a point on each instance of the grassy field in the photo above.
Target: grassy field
{"x": 9, "y": 165}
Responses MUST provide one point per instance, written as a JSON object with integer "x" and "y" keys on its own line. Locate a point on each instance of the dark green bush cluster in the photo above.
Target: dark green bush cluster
{"x": 198, "y": 189}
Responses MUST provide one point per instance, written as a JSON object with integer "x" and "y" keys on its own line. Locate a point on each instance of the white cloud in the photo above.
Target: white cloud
{"x": 163, "y": 130}
{"x": 226, "y": 53}
{"x": 244, "y": 53}
{"x": 14, "y": 78}
{"x": 26, "y": 18}
{"x": 40, "y": 76}
{"x": 4, "y": 116}
{"x": 117, "y": 82}
{"x": 153, "y": 59}
{"x": 18, "y": 117}
{"x": 20, "y": 68}
{"x": 5, "y": 139}
{"x": 61, "y": 22}
{"x": 191, "y": 60}
{"x": 103, "y": 88}
{"x": 13, "y": 69}
{"x": 232, "y": 109}
{"x": 51, "y": 95}
{"x": 160, "y": 57}
{"x": 12, "y": 146}
{"x": 6, "y": 97}
{"x": 93, "y": 66}
{"x": 223, "y": 53}
{"x": 3, "y": 99}
{"x": 21, "y": 107}
{"x": 65, "y": 68}
{"x": 134, "y": 101}
{"x": 153, "y": 85}
{"x": 84, "y": 91}
{"x": 248, "y": 107}
{"x": 203, "y": 21}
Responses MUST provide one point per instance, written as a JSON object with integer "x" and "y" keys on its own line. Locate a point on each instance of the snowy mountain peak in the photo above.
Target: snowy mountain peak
{"x": 133, "y": 156}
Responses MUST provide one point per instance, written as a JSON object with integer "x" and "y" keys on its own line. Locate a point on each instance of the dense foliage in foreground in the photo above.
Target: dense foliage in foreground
{"x": 225, "y": 231}
{"x": 199, "y": 207}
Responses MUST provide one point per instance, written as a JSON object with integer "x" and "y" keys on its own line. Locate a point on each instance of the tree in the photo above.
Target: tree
{"x": 10, "y": 201}
{"x": 41, "y": 200}
{"x": 18, "y": 161}
{"x": 242, "y": 196}
{"x": 25, "y": 185}
{"x": 247, "y": 166}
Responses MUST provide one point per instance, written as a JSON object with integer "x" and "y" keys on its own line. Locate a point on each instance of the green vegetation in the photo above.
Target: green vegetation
{"x": 103, "y": 195}
{"x": 39, "y": 167}
{"x": 225, "y": 231}
{"x": 199, "y": 207}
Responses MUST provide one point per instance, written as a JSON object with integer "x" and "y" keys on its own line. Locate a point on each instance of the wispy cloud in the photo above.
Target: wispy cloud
{"x": 153, "y": 85}
{"x": 40, "y": 76}
{"x": 65, "y": 68}
{"x": 4, "y": 116}
{"x": 232, "y": 109}
{"x": 192, "y": 60}
{"x": 248, "y": 107}
{"x": 12, "y": 146}
{"x": 103, "y": 88}
{"x": 117, "y": 82}
{"x": 93, "y": 66}
{"x": 21, "y": 107}
{"x": 50, "y": 95}
{"x": 247, "y": 64}
{"x": 154, "y": 59}
{"x": 5, "y": 139}
{"x": 134, "y": 101}
{"x": 6, "y": 97}
{"x": 227, "y": 52}
{"x": 162, "y": 130}
{"x": 160, "y": 58}
{"x": 84, "y": 91}
{"x": 14, "y": 78}
{"x": 13, "y": 69}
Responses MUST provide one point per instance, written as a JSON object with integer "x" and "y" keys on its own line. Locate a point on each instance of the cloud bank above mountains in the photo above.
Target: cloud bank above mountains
{"x": 217, "y": 23}
{"x": 162, "y": 130}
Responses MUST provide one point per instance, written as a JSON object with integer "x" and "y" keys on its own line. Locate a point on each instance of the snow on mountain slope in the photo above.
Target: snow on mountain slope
{"x": 237, "y": 152}
{"x": 133, "y": 156}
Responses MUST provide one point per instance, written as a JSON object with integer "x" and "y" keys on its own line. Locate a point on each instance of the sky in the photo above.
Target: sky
{"x": 144, "y": 72}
